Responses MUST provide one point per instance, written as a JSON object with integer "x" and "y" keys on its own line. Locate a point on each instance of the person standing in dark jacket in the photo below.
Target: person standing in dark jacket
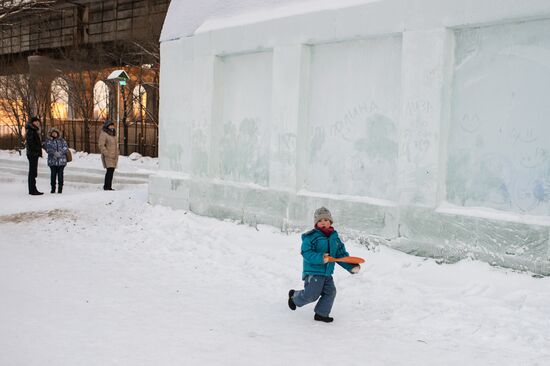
{"x": 57, "y": 148}
{"x": 33, "y": 145}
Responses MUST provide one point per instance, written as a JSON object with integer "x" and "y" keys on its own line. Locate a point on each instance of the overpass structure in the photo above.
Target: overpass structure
{"x": 51, "y": 27}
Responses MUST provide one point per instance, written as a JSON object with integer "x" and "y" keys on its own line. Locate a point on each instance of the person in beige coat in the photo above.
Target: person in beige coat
{"x": 108, "y": 146}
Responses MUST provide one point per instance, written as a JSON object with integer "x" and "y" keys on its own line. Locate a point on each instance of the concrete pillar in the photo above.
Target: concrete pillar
{"x": 41, "y": 74}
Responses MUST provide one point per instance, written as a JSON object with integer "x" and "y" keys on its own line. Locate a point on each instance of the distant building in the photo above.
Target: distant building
{"x": 66, "y": 49}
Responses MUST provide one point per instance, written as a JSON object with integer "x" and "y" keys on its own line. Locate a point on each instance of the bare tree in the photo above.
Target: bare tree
{"x": 23, "y": 96}
{"x": 10, "y": 9}
{"x": 142, "y": 60}
{"x": 82, "y": 98}
{"x": 81, "y": 67}
{"x": 14, "y": 105}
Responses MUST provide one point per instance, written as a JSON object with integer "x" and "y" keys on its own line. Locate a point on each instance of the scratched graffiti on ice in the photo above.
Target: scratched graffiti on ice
{"x": 499, "y": 150}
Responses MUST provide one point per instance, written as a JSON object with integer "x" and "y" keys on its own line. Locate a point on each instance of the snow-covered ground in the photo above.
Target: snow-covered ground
{"x": 85, "y": 169}
{"x": 102, "y": 278}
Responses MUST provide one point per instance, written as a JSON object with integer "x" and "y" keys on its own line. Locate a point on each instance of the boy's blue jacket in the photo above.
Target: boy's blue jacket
{"x": 314, "y": 245}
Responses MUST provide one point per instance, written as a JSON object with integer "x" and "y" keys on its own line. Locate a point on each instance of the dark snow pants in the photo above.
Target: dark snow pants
{"x": 33, "y": 173}
{"x": 315, "y": 287}
{"x": 108, "y": 183}
{"x": 56, "y": 174}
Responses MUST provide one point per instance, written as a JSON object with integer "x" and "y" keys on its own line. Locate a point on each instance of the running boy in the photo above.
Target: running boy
{"x": 317, "y": 245}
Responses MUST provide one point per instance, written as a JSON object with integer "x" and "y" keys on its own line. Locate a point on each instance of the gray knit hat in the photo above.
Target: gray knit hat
{"x": 322, "y": 213}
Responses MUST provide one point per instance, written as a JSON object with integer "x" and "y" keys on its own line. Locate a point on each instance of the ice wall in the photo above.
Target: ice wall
{"x": 243, "y": 125}
{"x": 498, "y": 143}
{"x": 420, "y": 124}
{"x": 353, "y": 117}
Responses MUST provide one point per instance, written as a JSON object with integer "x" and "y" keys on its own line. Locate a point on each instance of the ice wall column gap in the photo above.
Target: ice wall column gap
{"x": 424, "y": 77}
{"x": 423, "y": 132}
{"x": 216, "y": 124}
{"x": 289, "y": 79}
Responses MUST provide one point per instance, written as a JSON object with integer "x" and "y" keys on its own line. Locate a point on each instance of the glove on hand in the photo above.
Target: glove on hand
{"x": 57, "y": 154}
{"x": 325, "y": 258}
{"x": 355, "y": 269}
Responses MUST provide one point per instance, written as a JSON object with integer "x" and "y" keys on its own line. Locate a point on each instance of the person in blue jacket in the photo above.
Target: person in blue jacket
{"x": 56, "y": 147}
{"x": 317, "y": 245}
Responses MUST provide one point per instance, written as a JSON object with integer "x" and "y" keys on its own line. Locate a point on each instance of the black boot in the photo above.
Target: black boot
{"x": 52, "y": 190}
{"x": 108, "y": 183}
{"x": 36, "y": 193}
{"x": 60, "y": 189}
{"x": 291, "y": 303}
{"x": 326, "y": 319}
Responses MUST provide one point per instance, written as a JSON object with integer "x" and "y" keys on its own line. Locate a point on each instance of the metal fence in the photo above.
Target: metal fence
{"x": 142, "y": 137}
{"x": 8, "y": 138}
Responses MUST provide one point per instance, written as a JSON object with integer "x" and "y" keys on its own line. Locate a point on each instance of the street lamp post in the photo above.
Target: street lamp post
{"x": 120, "y": 77}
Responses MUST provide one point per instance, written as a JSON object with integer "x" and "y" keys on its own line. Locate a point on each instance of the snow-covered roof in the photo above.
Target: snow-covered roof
{"x": 187, "y": 17}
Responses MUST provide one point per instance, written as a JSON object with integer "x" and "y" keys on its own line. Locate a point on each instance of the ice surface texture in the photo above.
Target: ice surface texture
{"x": 428, "y": 135}
{"x": 499, "y": 153}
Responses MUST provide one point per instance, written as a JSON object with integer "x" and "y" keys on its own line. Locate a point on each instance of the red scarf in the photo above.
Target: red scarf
{"x": 326, "y": 231}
